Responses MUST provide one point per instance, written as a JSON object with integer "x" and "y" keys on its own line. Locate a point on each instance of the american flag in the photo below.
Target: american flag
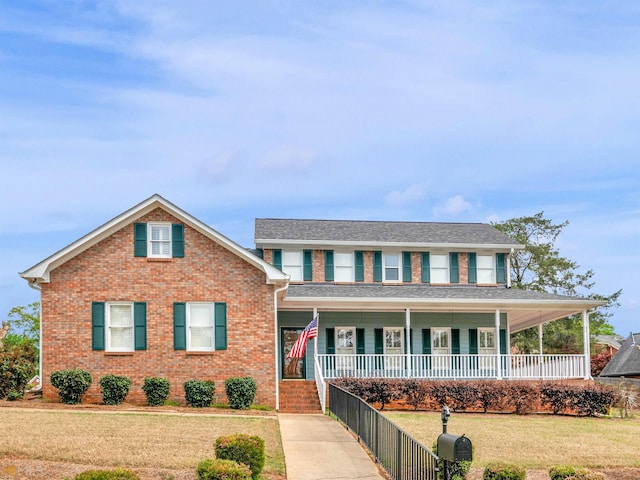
{"x": 310, "y": 331}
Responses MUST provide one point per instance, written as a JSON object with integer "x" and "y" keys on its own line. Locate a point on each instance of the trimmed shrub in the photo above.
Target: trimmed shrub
{"x": 219, "y": 469}
{"x": 590, "y": 400}
{"x": 598, "y": 362}
{"x": 241, "y": 392}
{"x": 199, "y": 393}
{"x": 16, "y": 368}
{"x": 586, "y": 474}
{"x": 242, "y": 448}
{"x": 114, "y": 389}
{"x": 521, "y": 396}
{"x": 503, "y": 471}
{"x": 561, "y": 472}
{"x": 72, "y": 384}
{"x": 118, "y": 474}
{"x": 415, "y": 393}
{"x": 156, "y": 389}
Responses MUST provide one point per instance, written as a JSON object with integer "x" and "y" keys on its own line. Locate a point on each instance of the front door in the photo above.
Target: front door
{"x": 345, "y": 350}
{"x": 292, "y": 368}
{"x": 487, "y": 347}
{"x": 393, "y": 348}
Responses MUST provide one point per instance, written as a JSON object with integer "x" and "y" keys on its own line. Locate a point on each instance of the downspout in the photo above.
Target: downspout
{"x": 277, "y": 342}
{"x": 35, "y": 286}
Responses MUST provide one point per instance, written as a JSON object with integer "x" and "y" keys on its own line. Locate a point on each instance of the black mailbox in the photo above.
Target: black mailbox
{"x": 454, "y": 448}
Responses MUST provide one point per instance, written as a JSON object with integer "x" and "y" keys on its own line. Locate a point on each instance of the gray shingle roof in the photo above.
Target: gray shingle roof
{"x": 271, "y": 229}
{"x": 627, "y": 361}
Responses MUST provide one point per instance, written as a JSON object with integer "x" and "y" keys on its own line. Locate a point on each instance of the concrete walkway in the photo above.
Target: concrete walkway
{"x": 317, "y": 447}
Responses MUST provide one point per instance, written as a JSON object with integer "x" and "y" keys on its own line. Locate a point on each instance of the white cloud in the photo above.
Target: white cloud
{"x": 453, "y": 206}
{"x": 289, "y": 158}
{"x": 410, "y": 195}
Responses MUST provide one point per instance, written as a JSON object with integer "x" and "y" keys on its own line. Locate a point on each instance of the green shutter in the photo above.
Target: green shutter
{"x": 406, "y": 267}
{"x": 307, "y": 265}
{"x": 220, "y": 315}
{"x": 454, "y": 275}
{"x": 473, "y": 268}
{"x": 426, "y": 268}
{"x": 503, "y": 341}
{"x": 473, "y": 341}
{"x": 360, "y": 341}
{"x": 377, "y": 266}
{"x": 426, "y": 341}
{"x": 97, "y": 325}
{"x": 277, "y": 259}
{"x": 455, "y": 341}
{"x": 359, "y": 266}
{"x": 177, "y": 240}
{"x": 331, "y": 341}
{"x": 140, "y": 239}
{"x": 179, "y": 326}
{"x": 328, "y": 266}
{"x": 379, "y": 341}
{"x": 501, "y": 268}
{"x": 140, "y": 325}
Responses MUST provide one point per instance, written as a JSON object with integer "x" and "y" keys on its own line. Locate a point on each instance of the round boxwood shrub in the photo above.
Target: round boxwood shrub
{"x": 242, "y": 448}
{"x": 219, "y": 469}
{"x": 118, "y": 474}
{"x": 241, "y": 392}
{"x": 503, "y": 471}
{"x": 71, "y": 384}
{"x": 561, "y": 472}
{"x": 156, "y": 389}
{"x": 199, "y": 393}
{"x": 114, "y": 389}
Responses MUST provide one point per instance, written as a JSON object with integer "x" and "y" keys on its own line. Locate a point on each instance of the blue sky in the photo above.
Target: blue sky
{"x": 388, "y": 110}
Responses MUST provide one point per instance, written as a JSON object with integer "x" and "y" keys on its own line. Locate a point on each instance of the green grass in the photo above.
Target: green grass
{"x": 130, "y": 439}
{"x": 534, "y": 441}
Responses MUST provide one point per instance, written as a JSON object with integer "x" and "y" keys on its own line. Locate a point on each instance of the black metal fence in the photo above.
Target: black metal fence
{"x": 403, "y": 457}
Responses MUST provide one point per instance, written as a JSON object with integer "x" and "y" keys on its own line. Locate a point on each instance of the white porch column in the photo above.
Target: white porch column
{"x": 407, "y": 319}
{"x": 498, "y": 360}
{"x": 315, "y": 339}
{"x": 540, "y": 358}
{"x": 587, "y": 344}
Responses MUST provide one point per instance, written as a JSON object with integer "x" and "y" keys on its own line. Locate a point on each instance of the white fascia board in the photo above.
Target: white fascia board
{"x": 264, "y": 243}
{"x": 40, "y": 271}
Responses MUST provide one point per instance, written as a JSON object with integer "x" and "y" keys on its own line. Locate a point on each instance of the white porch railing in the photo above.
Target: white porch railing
{"x": 321, "y": 385}
{"x": 451, "y": 366}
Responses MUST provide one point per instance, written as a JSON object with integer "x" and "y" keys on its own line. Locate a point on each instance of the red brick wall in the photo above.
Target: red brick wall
{"x": 108, "y": 271}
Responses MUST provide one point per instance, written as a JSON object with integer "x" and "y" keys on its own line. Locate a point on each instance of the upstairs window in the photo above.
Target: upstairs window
{"x": 343, "y": 267}
{"x": 292, "y": 265}
{"x": 391, "y": 268}
{"x": 439, "y": 264}
{"x": 485, "y": 269}
{"x": 158, "y": 240}
{"x": 119, "y": 322}
{"x": 159, "y": 235}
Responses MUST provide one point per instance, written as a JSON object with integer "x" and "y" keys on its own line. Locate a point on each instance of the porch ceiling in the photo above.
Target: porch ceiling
{"x": 524, "y": 308}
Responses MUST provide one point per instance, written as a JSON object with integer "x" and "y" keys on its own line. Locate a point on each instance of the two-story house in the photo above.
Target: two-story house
{"x": 156, "y": 292}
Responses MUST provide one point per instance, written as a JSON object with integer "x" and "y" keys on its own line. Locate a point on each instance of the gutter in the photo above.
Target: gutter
{"x": 277, "y": 343}
{"x": 37, "y": 287}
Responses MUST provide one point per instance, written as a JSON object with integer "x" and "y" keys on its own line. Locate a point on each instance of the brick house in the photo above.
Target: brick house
{"x": 156, "y": 292}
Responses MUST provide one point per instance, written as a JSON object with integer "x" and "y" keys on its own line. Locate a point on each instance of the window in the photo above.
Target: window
{"x": 200, "y": 327}
{"x": 343, "y": 267}
{"x": 440, "y": 341}
{"x": 159, "y": 236}
{"x": 119, "y": 323}
{"x": 486, "y": 269}
{"x": 439, "y": 268}
{"x": 391, "y": 267}
{"x": 487, "y": 340}
{"x": 393, "y": 340}
{"x": 292, "y": 265}
{"x": 345, "y": 340}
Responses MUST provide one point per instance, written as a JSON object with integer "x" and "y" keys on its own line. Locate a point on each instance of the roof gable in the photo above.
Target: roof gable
{"x": 627, "y": 361}
{"x": 270, "y": 231}
{"x": 40, "y": 272}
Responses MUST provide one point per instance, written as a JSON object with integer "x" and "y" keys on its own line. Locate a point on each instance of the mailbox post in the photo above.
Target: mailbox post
{"x": 452, "y": 448}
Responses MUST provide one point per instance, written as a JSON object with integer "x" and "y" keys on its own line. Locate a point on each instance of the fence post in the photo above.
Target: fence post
{"x": 400, "y": 476}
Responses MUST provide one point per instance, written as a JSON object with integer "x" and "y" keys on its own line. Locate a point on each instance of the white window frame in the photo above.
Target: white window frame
{"x": 436, "y": 269}
{"x": 151, "y": 241}
{"x": 190, "y": 326}
{"x": 292, "y": 264}
{"x": 435, "y": 331}
{"x": 488, "y": 330}
{"x": 485, "y": 269}
{"x": 400, "y": 331}
{"x": 108, "y": 327}
{"x": 343, "y": 267}
{"x": 385, "y": 266}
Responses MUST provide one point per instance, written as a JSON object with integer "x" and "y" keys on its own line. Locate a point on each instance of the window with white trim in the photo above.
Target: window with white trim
{"x": 343, "y": 267}
{"x": 439, "y": 265}
{"x": 292, "y": 265}
{"x": 486, "y": 269}
{"x": 200, "y": 327}
{"x": 440, "y": 341}
{"x": 119, "y": 327}
{"x": 159, "y": 238}
{"x": 393, "y": 340}
{"x": 486, "y": 340}
{"x": 391, "y": 266}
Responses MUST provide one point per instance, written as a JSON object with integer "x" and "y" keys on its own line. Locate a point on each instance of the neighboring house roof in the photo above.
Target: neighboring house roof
{"x": 39, "y": 273}
{"x": 271, "y": 232}
{"x": 526, "y": 308}
{"x": 613, "y": 341}
{"x": 627, "y": 361}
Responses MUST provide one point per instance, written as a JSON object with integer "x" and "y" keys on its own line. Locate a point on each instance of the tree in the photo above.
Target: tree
{"x": 540, "y": 267}
{"x": 27, "y": 320}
